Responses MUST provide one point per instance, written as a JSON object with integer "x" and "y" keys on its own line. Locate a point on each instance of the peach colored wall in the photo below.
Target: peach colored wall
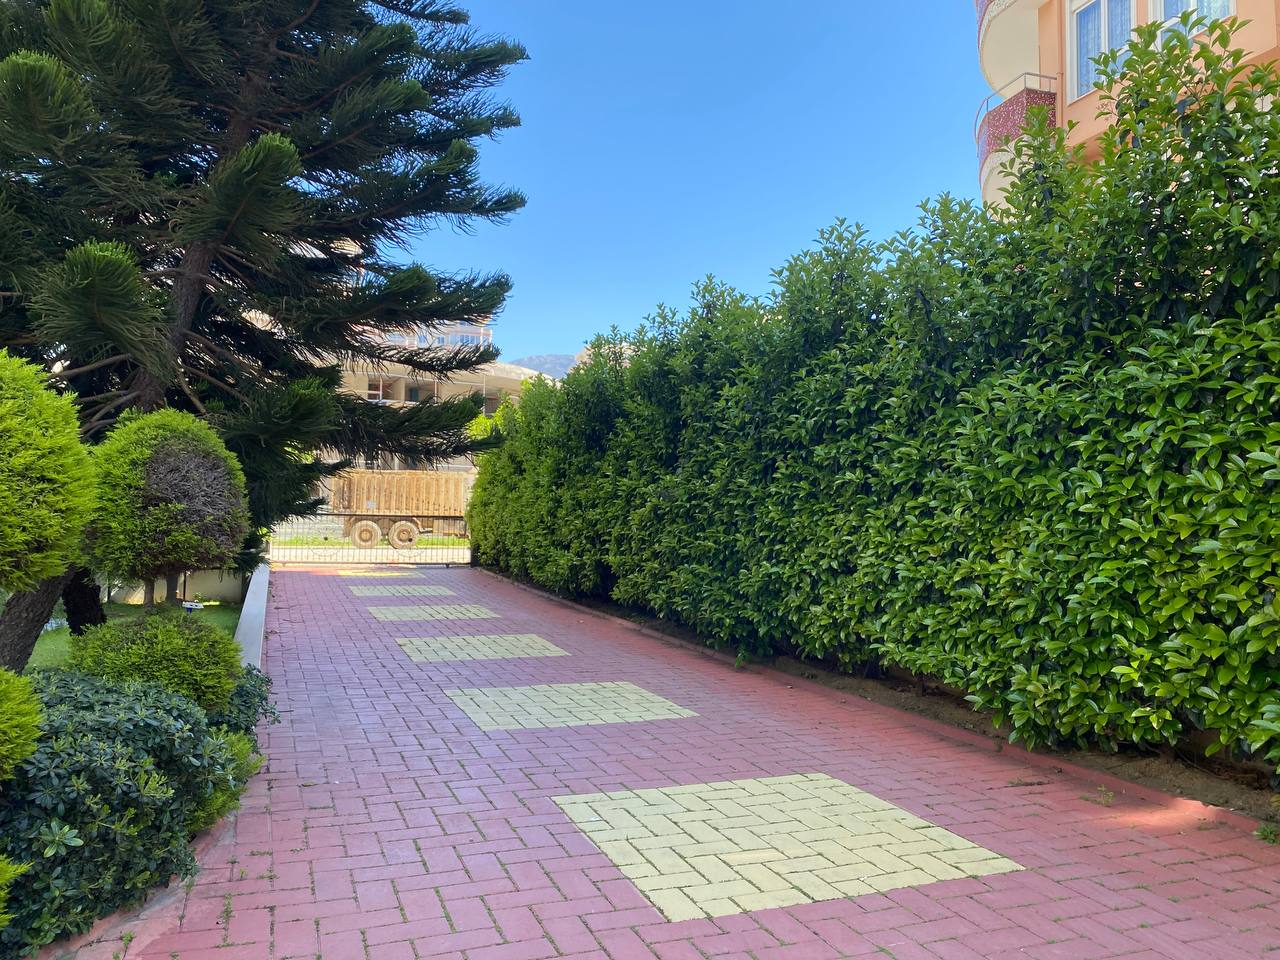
{"x": 1261, "y": 36}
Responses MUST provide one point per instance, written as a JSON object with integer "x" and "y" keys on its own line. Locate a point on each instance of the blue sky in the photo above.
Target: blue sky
{"x": 665, "y": 141}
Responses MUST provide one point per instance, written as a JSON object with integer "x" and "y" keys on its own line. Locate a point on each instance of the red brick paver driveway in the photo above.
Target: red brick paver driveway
{"x": 416, "y": 806}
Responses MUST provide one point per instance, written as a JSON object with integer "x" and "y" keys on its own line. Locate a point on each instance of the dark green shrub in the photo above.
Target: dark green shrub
{"x": 172, "y": 499}
{"x": 244, "y": 762}
{"x": 101, "y": 810}
{"x": 173, "y": 649}
{"x": 19, "y": 722}
{"x": 46, "y": 478}
{"x": 250, "y": 703}
{"x": 1033, "y": 451}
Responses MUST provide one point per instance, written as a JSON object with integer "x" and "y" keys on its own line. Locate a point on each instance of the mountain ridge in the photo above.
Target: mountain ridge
{"x": 552, "y": 364}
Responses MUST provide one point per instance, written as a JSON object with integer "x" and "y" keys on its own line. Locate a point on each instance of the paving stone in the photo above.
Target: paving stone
{"x": 563, "y": 705}
{"x": 507, "y": 646}
{"x": 387, "y": 824}
{"x": 403, "y": 590}
{"x": 379, "y": 573}
{"x": 874, "y": 846}
{"x": 435, "y": 611}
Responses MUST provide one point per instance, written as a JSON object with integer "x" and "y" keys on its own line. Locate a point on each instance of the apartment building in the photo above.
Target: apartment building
{"x": 449, "y": 335}
{"x": 1039, "y": 53}
{"x": 398, "y": 384}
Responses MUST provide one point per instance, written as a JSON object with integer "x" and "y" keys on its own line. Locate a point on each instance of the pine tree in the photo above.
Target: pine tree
{"x": 205, "y": 205}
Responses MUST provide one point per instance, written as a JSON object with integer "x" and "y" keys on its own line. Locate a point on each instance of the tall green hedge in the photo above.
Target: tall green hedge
{"x": 1032, "y": 451}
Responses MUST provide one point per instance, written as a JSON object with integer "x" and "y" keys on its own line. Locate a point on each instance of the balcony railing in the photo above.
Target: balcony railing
{"x": 1002, "y": 117}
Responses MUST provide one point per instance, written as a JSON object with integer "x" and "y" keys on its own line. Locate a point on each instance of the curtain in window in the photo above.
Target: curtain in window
{"x": 1173, "y": 8}
{"x": 1215, "y": 9}
{"x": 1088, "y": 45}
{"x": 1119, "y": 24}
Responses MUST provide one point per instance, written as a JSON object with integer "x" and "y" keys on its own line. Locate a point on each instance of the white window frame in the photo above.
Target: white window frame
{"x": 380, "y": 395}
{"x": 1072, "y": 71}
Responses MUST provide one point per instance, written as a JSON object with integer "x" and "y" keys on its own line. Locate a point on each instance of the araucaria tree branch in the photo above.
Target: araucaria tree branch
{"x": 188, "y": 198}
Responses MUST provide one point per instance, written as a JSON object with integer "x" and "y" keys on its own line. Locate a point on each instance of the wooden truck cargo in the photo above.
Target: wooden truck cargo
{"x": 400, "y": 505}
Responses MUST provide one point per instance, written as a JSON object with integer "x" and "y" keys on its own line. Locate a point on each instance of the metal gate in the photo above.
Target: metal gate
{"x": 351, "y": 537}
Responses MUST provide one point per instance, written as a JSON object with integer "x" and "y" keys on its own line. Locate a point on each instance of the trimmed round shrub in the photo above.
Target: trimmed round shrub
{"x": 46, "y": 478}
{"x": 101, "y": 811}
{"x": 171, "y": 499}
{"x": 175, "y": 650}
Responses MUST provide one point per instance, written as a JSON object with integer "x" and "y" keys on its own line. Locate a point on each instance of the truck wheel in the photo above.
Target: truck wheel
{"x": 403, "y": 534}
{"x": 365, "y": 534}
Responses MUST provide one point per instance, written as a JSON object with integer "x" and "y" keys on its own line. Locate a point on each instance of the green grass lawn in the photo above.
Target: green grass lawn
{"x": 54, "y": 646}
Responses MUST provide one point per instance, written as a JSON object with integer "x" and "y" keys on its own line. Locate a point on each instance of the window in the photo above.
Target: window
{"x": 1167, "y": 10}
{"x": 378, "y": 390}
{"x": 415, "y": 394}
{"x": 1096, "y": 27}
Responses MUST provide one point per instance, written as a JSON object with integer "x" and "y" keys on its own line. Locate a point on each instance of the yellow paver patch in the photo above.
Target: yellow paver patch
{"x": 563, "y": 705}
{"x": 506, "y": 646}
{"x": 715, "y": 849}
{"x": 435, "y": 611}
{"x": 377, "y": 573}
{"x": 403, "y": 590}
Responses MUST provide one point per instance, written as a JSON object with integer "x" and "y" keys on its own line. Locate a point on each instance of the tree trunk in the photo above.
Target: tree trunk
{"x": 171, "y": 589}
{"x": 24, "y": 617}
{"x": 149, "y": 592}
{"x": 82, "y": 599}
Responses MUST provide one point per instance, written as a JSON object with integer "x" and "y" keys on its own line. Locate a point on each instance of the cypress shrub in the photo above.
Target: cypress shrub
{"x": 20, "y": 717}
{"x": 46, "y": 478}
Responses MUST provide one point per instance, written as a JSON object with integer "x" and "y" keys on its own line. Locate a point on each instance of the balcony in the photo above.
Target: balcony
{"x": 1003, "y": 117}
{"x": 1008, "y": 38}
